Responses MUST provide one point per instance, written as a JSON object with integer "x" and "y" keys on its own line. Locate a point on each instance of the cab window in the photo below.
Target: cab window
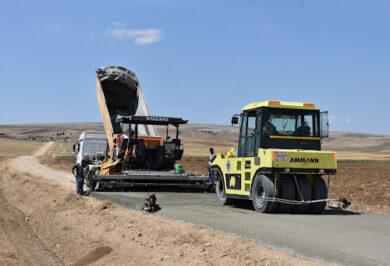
{"x": 288, "y": 122}
{"x": 248, "y": 134}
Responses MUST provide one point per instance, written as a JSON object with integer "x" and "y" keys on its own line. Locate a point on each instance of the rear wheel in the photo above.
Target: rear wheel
{"x": 90, "y": 184}
{"x": 287, "y": 192}
{"x": 305, "y": 189}
{"x": 263, "y": 188}
{"x": 320, "y": 191}
{"x": 220, "y": 189}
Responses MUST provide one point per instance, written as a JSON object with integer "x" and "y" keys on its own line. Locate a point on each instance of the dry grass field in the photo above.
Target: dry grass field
{"x": 47, "y": 131}
{"x": 60, "y": 156}
{"x": 350, "y": 146}
{"x": 10, "y": 148}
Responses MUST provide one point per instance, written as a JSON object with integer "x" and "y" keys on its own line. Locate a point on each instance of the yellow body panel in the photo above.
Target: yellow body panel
{"x": 294, "y": 137}
{"x": 239, "y": 172}
{"x": 108, "y": 167}
{"x": 279, "y": 104}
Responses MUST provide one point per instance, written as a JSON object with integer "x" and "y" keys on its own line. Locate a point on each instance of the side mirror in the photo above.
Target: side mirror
{"x": 235, "y": 120}
{"x": 74, "y": 148}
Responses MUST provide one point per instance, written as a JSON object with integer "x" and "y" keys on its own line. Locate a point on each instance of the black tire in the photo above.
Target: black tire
{"x": 305, "y": 188}
{"x": 287, "y": 192}
{"x": 263, "y": 186}
{"x": 220, "y": 190}
{"x": 319, "y": 191}
{"x": 97, "y": 186}
{"x": 90, "y": 184}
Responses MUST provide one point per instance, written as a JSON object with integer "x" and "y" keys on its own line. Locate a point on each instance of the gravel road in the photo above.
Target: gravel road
{"x": 30, "y": 164}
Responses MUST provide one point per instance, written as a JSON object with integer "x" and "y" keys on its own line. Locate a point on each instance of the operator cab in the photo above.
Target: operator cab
{"x": 280, "y": 125}
{"x": 148, "y": 152}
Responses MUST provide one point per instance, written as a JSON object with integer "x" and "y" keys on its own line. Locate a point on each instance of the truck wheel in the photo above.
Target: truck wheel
{"x": 220, "y": 190}
{"x": 93, "y": 185}
{"x": 288, "y": 193}
{"x": 305, "y": 188}
{"x": 96, "y": 186}
{"x": 320, "y": 191}
{"x": 87, "y": 192}
{"x": 89, "y": 184}
{"x": 263, "y": 187}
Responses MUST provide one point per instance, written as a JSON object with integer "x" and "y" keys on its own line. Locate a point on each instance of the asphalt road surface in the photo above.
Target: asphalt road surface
{"x": 335, "y": 236}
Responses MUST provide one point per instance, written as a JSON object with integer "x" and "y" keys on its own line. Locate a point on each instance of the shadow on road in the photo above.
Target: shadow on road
{"x": 340, "y": 212}
{"x": 235, "y": 203}
{"x": 173, "y": 189}
{"x": 247, "y": 205}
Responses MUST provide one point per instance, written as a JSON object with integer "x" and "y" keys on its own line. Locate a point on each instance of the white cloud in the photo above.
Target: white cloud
{"x": 338, "y": 120}
{"x": 95, "y": 35}
{"x": 121, "y": 31}
{"x": 53, "y": 27}
{"x": 118, "y": 24}
{"x": 140, "y": 36}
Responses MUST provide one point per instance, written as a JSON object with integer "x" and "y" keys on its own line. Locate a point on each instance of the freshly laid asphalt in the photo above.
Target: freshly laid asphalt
{"x": 334, "y": 236}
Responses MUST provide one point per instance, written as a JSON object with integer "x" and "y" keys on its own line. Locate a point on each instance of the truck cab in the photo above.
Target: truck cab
{"x": 278, "y": 162}
{"x": 91, "y": 145}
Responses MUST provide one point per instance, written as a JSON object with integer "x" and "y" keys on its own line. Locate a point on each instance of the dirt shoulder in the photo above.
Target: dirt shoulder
{"x": 43, "y": 222}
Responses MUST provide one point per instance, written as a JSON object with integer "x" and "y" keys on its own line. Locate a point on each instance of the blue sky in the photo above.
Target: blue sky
{"x": 201, "y": 60}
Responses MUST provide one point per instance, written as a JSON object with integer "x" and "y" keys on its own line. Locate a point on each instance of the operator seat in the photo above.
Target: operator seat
{"x": 140, "y": 152}
{"x": 303, "y": 130}
{"x": 178, "y": 152}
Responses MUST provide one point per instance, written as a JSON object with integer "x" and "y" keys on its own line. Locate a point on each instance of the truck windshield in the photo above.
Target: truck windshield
{"x": 94, "y": 144}
{"x": 291, "y": 122}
